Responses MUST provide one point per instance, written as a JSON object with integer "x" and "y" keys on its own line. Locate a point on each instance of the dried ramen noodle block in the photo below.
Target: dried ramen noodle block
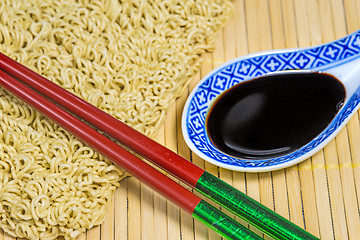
{"x": 129, "y": 58}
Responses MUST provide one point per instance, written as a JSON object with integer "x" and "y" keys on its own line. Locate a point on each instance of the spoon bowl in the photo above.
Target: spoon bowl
{"x": 274, "y": 114}
{"x": 340, "y": 59}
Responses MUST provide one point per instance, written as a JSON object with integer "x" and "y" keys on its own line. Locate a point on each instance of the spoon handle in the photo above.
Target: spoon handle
{"x": 250, "y": 210}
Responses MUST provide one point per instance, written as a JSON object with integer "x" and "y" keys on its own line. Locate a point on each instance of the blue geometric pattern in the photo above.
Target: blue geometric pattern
{"x": 226, "y": 76}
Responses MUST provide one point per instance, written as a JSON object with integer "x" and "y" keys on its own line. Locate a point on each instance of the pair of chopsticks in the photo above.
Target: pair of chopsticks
{"x": 62, "y": 106}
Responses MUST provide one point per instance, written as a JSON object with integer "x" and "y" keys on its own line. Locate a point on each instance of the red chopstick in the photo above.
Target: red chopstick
{"x": 201, "y": 210}
{"x": 126, "y": 135}
{"x": 108, "y": 148}
{"x": 205, "y": 183}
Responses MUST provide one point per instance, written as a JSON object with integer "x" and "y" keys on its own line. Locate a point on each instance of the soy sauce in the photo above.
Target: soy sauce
{"x": 273, "y": 115}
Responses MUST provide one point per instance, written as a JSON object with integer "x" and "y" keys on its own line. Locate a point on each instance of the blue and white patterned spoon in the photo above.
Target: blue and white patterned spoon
{"x": 340, "y": 58}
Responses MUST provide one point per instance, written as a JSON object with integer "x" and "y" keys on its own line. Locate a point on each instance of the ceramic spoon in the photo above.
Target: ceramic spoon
{"x": 279, "y": 113}
{"x": 339, "y": 59}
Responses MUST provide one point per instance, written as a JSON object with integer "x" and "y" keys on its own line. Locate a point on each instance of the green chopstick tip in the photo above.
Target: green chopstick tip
{"x": 250, "y": 210}
{"x": 221, "y": 223}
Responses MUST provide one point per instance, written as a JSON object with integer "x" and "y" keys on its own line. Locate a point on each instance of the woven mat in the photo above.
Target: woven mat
{"x": 321, "y": 194}
{"x": 132, "y": 59}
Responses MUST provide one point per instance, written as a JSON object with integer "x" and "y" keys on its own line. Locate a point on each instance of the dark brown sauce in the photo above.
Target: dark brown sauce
{"x": 273, "y": 115}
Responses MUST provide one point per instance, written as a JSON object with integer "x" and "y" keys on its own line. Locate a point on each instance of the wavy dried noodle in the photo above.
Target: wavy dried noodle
{"x": 129, "y": 58}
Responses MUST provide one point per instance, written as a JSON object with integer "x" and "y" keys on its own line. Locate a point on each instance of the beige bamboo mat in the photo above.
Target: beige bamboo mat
{"x": 322, "y": 194}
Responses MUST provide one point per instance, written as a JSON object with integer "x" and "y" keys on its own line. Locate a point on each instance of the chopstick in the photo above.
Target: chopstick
{"x": 210, "y": 186}
{"x": 200, "y": 209}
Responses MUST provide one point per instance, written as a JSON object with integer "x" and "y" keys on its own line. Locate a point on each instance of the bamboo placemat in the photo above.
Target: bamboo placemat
{"x": 321, "y": 194}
